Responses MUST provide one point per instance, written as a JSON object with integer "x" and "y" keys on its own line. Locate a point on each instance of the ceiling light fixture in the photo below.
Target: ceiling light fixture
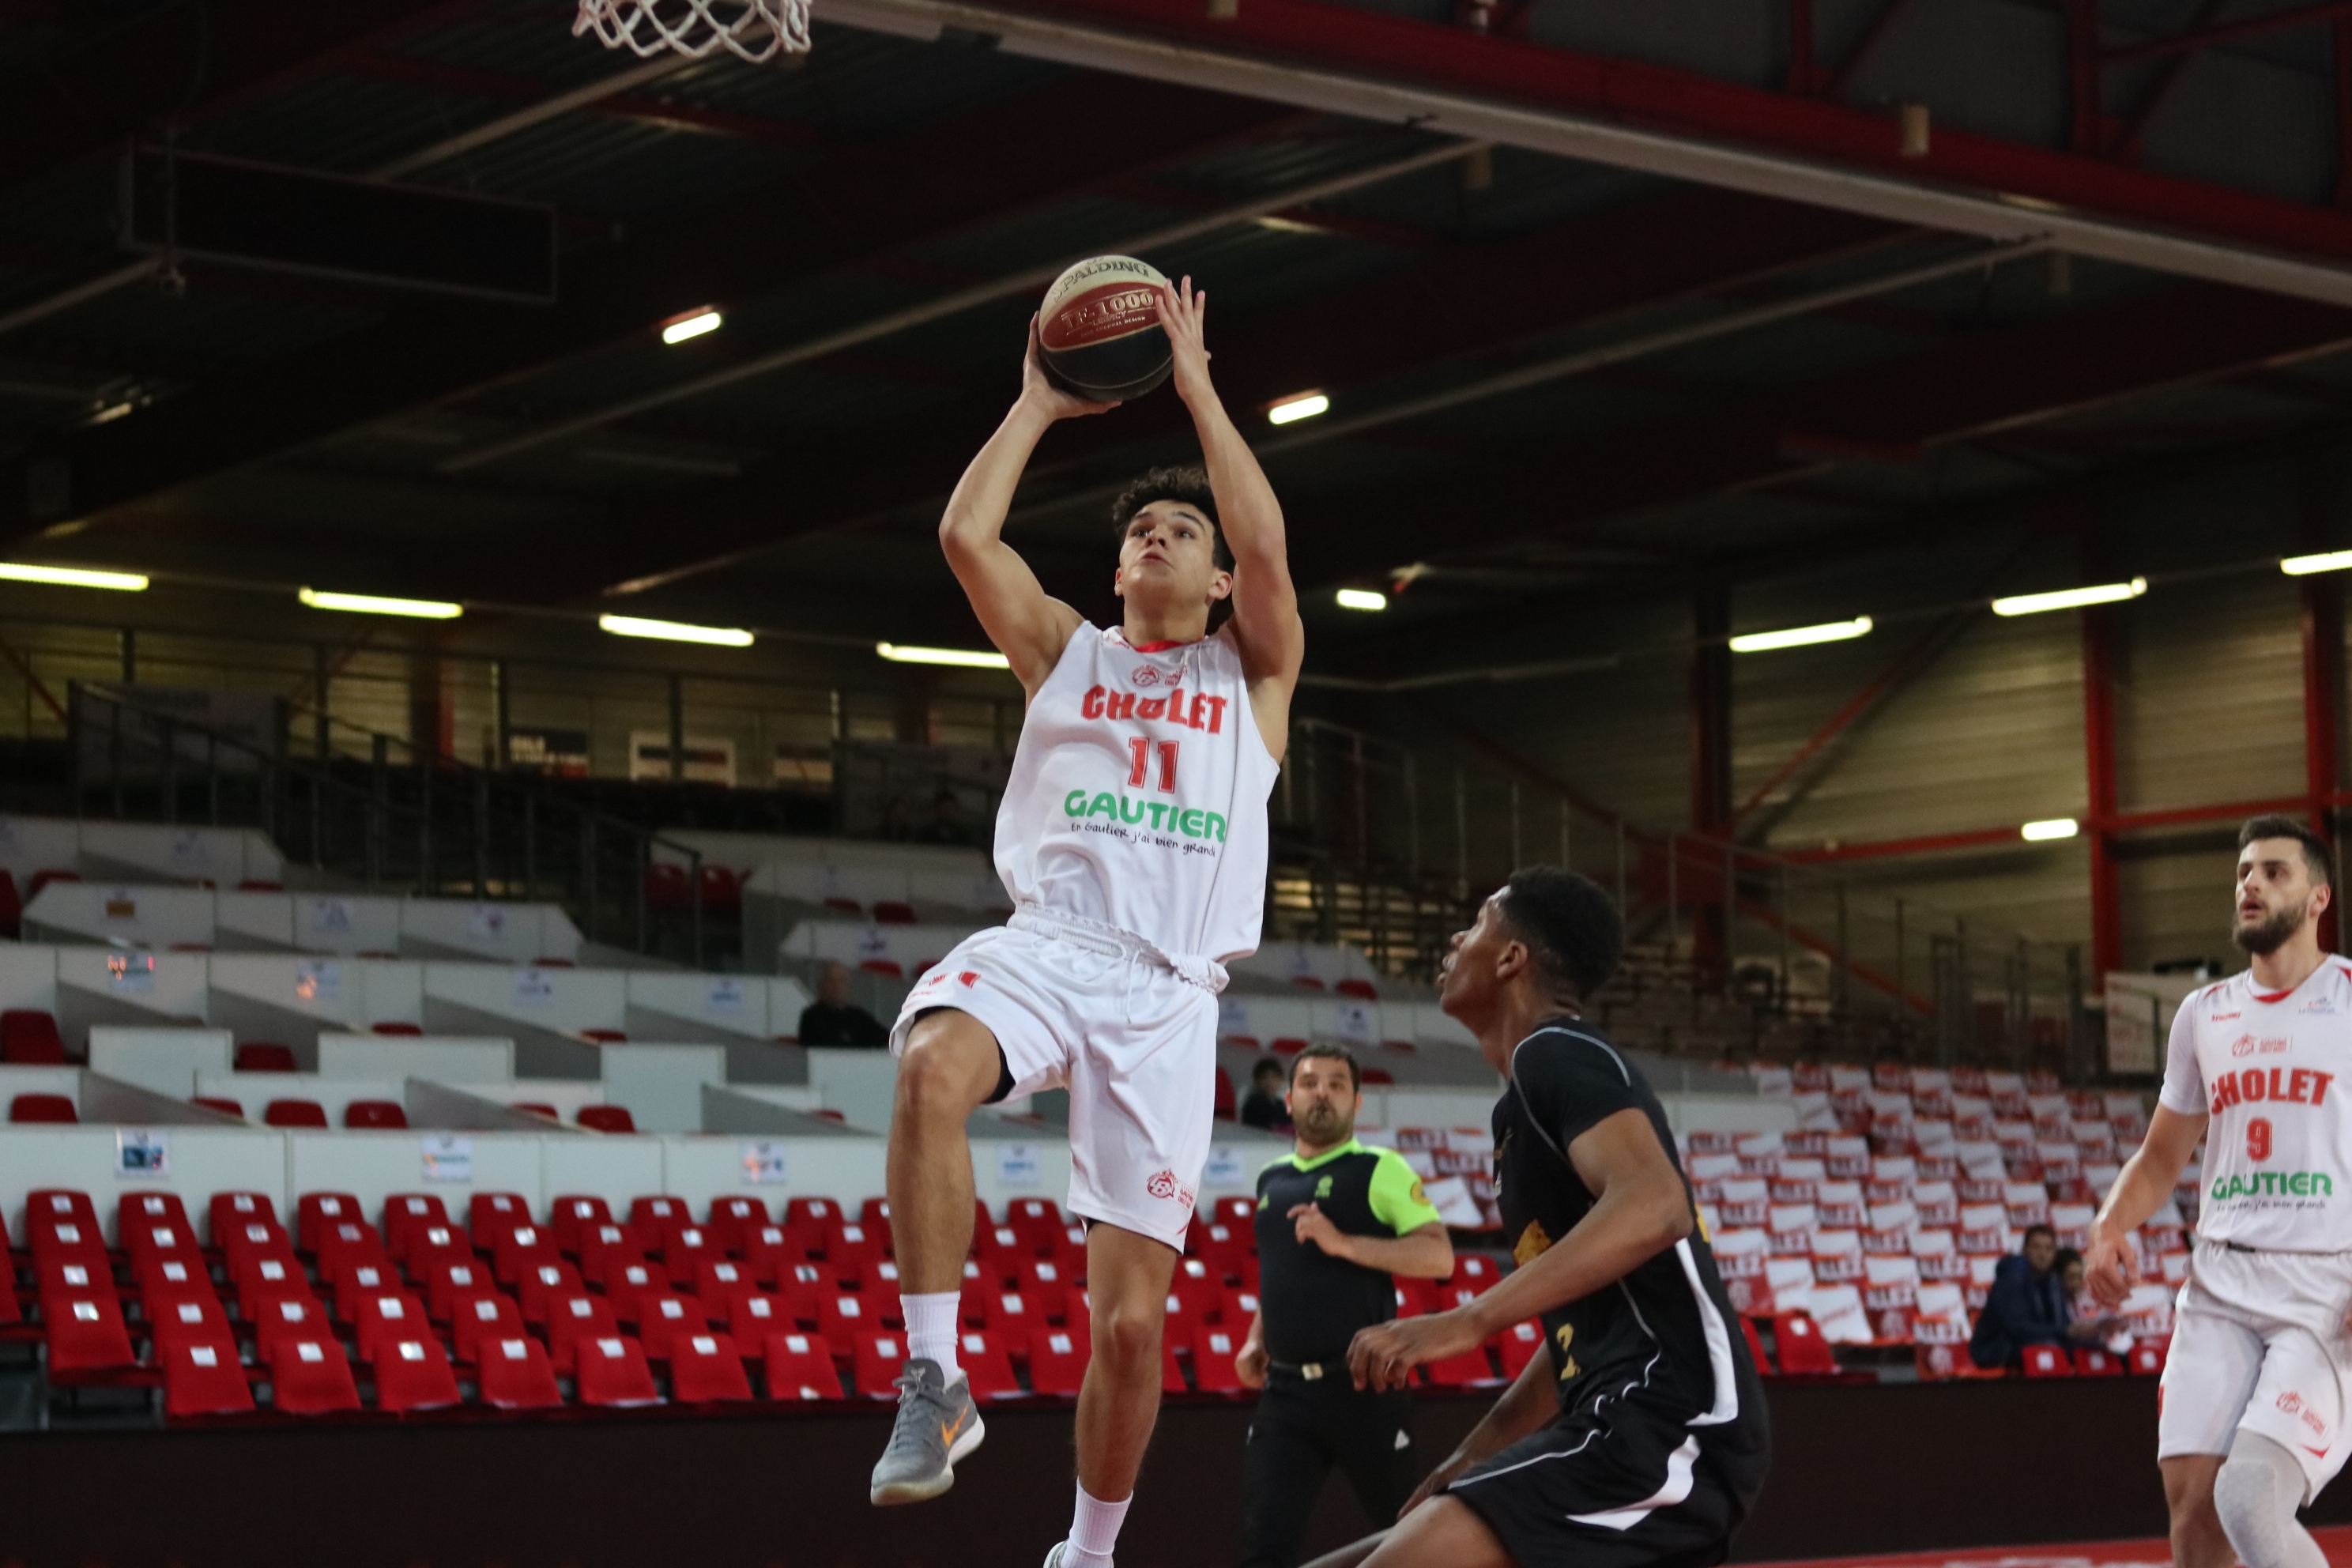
{"x": 377, "y": 605}
{"x": 1304, "y": 406}
{"x": 963, "y": 659}
{"x": 2044, "y": 832}
{"x": 674, "y": 631}
{"x": 1802, "y": 636}
{"x": 1361, "y": 599}
{"x": 71, "y": 576}
{"x": 2070, "y": 598}
{"x": 2305, "y": 565}
{"x": 692, "y": 326}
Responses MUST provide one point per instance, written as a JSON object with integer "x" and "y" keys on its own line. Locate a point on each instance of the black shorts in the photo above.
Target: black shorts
{"x": 1619, "y": 1489}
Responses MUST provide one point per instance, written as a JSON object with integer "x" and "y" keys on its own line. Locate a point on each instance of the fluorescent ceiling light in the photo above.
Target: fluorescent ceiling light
{"x": 1801, "y": 637}
{"x": 966, "y": 659}
{"x": 2043, "y": 832}
{"x": 693, "y": 326}
{"x": 2305, "y": 565}
{"x": 1290, "y": 410}
{"x": 674, "y": 631}
{"x": 71, "y": 576}
{"x": 376, "y": 605}
{"x": 2070, "y": 598}
{"x": 1362, "y": 599}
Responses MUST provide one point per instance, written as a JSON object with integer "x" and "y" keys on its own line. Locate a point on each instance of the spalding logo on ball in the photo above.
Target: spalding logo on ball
{"x": 1099, "y": 330}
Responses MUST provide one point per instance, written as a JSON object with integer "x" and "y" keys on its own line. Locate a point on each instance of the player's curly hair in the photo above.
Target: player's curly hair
{"x": 2315, "y": 858}
{"x": 1188, "y": 485}
{"x": 1568, "y": 924}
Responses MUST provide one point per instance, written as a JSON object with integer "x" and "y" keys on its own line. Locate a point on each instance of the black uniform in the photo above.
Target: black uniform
{"x": 1661, "y": 1444}
{"x": 1310, "y": 1416}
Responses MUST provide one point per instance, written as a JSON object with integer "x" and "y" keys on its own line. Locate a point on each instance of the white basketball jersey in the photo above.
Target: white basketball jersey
{"x": 1138, "y": 796}
{"x": 2274, "y": 1071}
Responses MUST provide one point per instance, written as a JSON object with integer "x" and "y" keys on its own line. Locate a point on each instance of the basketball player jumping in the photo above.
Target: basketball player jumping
{"x": 2251, "y": 1426}
{"x": 1637, "y": 1435}
{"x": 1133, "y": 839}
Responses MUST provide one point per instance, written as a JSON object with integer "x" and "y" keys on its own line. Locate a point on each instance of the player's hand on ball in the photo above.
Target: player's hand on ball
{"x": 1183, "y": 316}
{"x": 1384, "y": 1356}
{"x": 1041, "y": 394}
{"x": 2110, "y": 1268}
{"x": 1312, "y": 1224}
{"x": 1250, "y": 1365}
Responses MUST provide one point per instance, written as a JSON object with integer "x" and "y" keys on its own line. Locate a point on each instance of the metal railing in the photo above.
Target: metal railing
{"x": 423, "y": 822}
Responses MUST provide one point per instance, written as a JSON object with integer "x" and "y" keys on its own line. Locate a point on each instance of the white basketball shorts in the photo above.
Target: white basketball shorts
{"x": 2258, "y": 1343}
{"x": 1135, "y": 1046}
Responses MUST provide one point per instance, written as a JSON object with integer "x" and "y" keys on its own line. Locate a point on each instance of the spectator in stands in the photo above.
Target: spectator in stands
{"x": 2029, "y": 1305}
{"x": 1263, "y": 1106}
{"x": 949, "y": 824}
{"x": 833, "y": 1019}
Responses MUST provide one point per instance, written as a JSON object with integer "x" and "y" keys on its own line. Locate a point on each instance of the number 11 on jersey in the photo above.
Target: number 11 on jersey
{"x": 1142, "y": 768}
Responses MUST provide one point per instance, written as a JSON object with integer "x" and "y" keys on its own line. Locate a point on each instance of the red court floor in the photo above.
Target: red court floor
{"x": 2333, "y": 1539}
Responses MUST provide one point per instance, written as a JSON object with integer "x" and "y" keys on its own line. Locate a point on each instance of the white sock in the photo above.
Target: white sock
{"x": 1093, "y": 1531}
{"x": 933, "y": 1322}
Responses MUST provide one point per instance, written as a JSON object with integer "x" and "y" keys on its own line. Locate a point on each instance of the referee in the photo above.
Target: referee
{"x": 1335, "y": 1220}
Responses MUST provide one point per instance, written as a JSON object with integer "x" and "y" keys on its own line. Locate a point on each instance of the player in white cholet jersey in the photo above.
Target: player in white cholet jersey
{"x": 1132, "y": 837}
{"x": 2252, "y": 1421}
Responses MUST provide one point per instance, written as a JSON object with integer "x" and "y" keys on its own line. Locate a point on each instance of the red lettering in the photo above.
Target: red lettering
{"x": 1190, "y": 717}
{"x": 2319, "y": 1082}
{"x": 1167, "y": 765}
{"x": 1150, "y": 706}
{"x": 2249, "y": 1084}
{"x": 1216, "y": 715}
{"x": 1091, "y": 707}
{"x": 2277, "y": 1087}
{"x": 1142, "y": 750}
{"x": 1122, "y": 704}
{"x": 2298, "y": 1086}
{"x": 2225, "y": 1093}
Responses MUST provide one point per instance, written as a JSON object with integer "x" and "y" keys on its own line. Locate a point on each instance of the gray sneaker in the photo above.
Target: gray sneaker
{"x": 937, "y": 1425}
{"x": 1054, "y": 1557}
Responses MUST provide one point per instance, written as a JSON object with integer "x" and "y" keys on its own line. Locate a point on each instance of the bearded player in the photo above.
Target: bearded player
{"x": 2251, "y": 1426}
{"x": 1132, "y": 837}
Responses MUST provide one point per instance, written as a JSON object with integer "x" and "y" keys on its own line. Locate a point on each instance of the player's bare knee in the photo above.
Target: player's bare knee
{"x": 937, "y": 1077}
{"x": 1127, "y": 1334}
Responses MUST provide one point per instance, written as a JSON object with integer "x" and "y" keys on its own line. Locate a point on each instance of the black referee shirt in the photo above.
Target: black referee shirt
{"x": 1312, "y": 1302}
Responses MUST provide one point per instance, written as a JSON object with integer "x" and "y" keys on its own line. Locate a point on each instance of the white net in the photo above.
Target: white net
{"x": 755, "y": 29}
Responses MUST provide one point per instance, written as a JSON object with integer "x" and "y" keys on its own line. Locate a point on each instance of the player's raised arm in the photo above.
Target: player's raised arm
{"x": 1266, "y": 626}
{"x": 1028, "y": 627}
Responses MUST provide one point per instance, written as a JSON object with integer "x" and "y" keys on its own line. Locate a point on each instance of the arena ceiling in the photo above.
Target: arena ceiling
{"x": 1604, "y": 299}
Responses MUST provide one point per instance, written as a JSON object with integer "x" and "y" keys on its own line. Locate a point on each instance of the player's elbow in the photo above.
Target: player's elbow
{"x": 1669, "y": 1214}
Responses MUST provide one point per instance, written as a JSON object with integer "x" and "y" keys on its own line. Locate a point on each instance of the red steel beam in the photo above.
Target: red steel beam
{"x": 1359, "y": 43}
{"x": 2196, "y": 36}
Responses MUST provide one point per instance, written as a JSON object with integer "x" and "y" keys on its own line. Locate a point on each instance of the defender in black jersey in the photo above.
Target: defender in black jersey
{"x": 1637, "y": 1435}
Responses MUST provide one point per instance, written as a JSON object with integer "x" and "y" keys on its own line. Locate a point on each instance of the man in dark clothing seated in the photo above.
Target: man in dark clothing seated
{"x": 1263, "y": 1106}
{"x": 833, "y": 1019}
{"x": 2028, "y": 1306}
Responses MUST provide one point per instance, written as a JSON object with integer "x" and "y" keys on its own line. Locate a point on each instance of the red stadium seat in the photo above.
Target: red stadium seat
{"x": 1214, "y": 1347}
{"x": 1237, "y": 1212}
{"x": 12, "y": 907}
{"x": 667, "y": 888}
{"x": 264, "y": 1056}
{"x": 485, "y": 1212}
{"x": 573, "y": 1217}
{"x": 629, "y": 1286}
{"x": 28, "y": 1038}
{"x": 707, "y": 1369}
{"x": 1803, "y": 1351}
{"x": 202, "y": 1377}
{"x": 800, "y": 1366}
{"x": 751, "y": 1318}
{"x": 1057, "y": 1361}
{"x": 42, "y": 1108}
{"x": 221, "y": 1103}
{"x": 1289, "y": 1045}
{"x": 1363, "y": 989}
{"x": 2147, "y": 1357}
{"x": 605, "y": 1250}
{"x": 2048, "y": 1361}
{"x": 477, "y": 1322}
{"x": 684, "y": 1252}
{"x": 1222, "y": 1104}
{"x": 1470, "y": 1369}
{"x": 548, "y": 1279}
{"x": 768, "y": 1250}
{"x": 281, "y": 1321}
{"x": 346, "y": 1245}
{"x": 613, "y": 1372}
{"x": 186, "y": 1319}
{"x": 572, "y": 1317}
{"x": 384, "y": 1319}
{"x": 294, "y": 1113}
{"x": 374, "y": 1113}
{"x": 733, "y": 1221}
{"x": 722, "y": 890}
{"x": 986, "y": 1363}
{"x": 514, "y": 1374}
{"x": 516, "y": 1249}
{"x": 663, "y": 1316}
{"x": 1517, "y": 1345}
{"x": 875, "y": 1363}
{"x": 721, "y": 1283}
{"x": 1171, "y": 1370}
{"x": 2095, "y": 1360}
{"x": 413, "y": 1374}
{"x": 85, "y": 1333}
{"x": 309, "y": 1376}
{"x": 395, "y": 1026}
{"x": 652, "y": 1219}
{"x": 1477, "y": 1272}
{"x": 227, "y": 1209}
{"x": 450, "y": 1281}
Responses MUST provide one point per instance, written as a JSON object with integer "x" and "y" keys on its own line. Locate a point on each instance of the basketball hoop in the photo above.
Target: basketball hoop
{"x": 757, "y": 30}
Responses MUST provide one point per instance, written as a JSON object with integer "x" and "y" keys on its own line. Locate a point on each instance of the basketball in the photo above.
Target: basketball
{"x": 1099, "y": 330}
